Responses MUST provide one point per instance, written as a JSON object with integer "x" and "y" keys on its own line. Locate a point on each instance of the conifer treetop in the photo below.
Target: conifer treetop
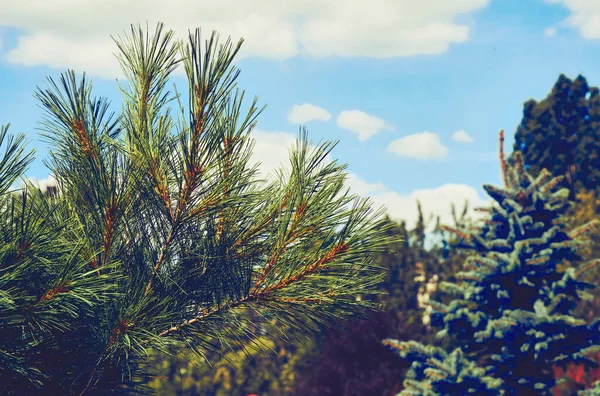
{"x": 511, "y": 307}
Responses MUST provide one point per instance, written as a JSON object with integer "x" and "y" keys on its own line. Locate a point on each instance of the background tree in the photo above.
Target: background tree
{"x": 237, "y": 371}
{"x": 511, "y": 313}
{"x": 559, "y": 133}
{"x": 160, "y": 235}
{"x": 586, "y": 209}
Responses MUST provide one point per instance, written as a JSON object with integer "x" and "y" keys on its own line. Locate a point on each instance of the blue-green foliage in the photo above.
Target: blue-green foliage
{"x": 453, "y": 374}
{"x": 510, "y": 312}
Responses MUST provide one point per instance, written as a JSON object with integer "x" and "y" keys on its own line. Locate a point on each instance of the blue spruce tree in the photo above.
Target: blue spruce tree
{"x": 509, "y": 319}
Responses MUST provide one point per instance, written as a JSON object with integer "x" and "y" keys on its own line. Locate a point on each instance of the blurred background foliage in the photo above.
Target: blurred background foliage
{"x": 345, "y": 360}
{"x": 560, "y": 133}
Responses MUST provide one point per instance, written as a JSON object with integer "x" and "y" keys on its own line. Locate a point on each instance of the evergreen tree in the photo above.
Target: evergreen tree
{"x": 160, "y": 234}
{"x": 559, "y": 133}
{"x": 510, "y": 317}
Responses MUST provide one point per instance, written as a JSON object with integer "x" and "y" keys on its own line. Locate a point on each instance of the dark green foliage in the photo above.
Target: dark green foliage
{"x": 346, "y": 357}
{"x": 352, "y": 360}
{"x": 559, "y": 133}
{"x": 161, "y": 237}
{"x": 511, "y": 307}
{"x": 343, "y": 361}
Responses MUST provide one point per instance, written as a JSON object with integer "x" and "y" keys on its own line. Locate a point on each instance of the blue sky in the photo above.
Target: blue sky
{"x": 392, "y": 80}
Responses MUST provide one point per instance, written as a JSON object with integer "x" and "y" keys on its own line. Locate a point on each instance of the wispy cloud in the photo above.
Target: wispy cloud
{"x": 361, "y": 124}
{"x": 422, "y": 145}
{"x": 271, "y": 150}
{"x": 435, "y": 201}
{"x": 462, "y": 136}
{"x": 306, "y": 112}
{"x": 281, "y": 30}
{"x": 584, "y": 16}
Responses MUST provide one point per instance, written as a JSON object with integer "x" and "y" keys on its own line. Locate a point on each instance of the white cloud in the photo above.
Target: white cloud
{"x": 462, "y": 136}
{"x": 419, "y": 145}
{"x": 549, "y": 32}
{"x": 306, "y": 112}
{"x": 436, "y": 201}
{"x": 87, "y": 55}
{"x": 585, "y": 16}
{"x": 273, "y": 29}
{"x": 271, "y": 150}
{"x": 362, "y": 124}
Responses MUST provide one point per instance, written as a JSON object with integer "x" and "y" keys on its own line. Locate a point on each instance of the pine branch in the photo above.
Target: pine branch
{"x": 14, "y": 161}
{"x": 160, "y": 232}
